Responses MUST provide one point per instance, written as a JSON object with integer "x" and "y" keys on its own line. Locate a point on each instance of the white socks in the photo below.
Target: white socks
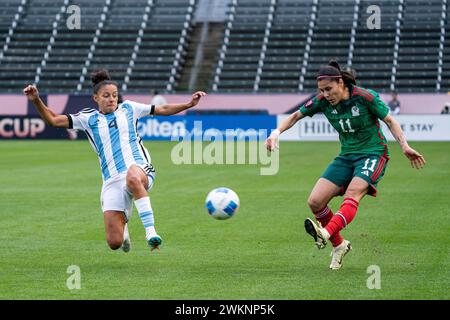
{"x": 125, "y": 232}
{"x": 325, "y": 233}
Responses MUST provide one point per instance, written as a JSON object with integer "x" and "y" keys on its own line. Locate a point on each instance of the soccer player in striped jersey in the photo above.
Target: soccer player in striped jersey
{"x": 355, "y": 113}
{"x": 126, "y": 166}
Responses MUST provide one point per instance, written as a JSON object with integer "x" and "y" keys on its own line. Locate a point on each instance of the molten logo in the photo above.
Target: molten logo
{"x": 163, "y": 129}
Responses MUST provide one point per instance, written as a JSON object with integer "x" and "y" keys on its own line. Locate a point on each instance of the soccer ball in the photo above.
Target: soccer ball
{"x": 222, "y": 203}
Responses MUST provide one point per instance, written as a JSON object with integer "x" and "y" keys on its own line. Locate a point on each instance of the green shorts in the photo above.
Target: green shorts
{"x": 369, "y": 167}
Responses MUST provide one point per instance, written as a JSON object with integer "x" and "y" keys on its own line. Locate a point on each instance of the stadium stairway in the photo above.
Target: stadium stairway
{"x": 201, "y": 57}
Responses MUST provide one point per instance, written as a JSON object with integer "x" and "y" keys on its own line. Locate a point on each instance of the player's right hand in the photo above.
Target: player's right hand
{"x": 31, "y": 92}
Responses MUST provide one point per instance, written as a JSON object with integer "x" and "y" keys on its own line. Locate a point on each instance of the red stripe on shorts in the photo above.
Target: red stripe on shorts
{"x": 379, "y": 169}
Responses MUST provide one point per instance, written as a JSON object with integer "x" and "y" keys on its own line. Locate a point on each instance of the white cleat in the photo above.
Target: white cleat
{"x": 338, "y": 254}
{"x": 316, "y": 232}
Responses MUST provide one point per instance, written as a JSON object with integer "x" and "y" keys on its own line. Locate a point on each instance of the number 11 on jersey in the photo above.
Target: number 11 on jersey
{"x": 347, "y": 122}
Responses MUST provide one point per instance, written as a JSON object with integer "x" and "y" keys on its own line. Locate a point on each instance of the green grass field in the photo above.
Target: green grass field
{"x": 51, "y": 219}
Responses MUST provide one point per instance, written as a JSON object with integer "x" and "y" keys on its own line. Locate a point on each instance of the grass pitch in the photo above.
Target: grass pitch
{"x": 51, "y": 219}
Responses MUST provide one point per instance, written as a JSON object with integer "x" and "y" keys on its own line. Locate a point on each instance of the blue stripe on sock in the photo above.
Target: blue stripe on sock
{"x": 146, "y": 214}
{"x": 147, "y": 219}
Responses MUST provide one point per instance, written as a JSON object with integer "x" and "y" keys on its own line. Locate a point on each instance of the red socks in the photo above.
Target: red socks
{"x": 343, "y": 217}
{"x": 324, "y": 216}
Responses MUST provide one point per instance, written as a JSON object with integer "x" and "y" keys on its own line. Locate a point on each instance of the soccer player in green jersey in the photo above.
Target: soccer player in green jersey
{"x": 354, "y": 112}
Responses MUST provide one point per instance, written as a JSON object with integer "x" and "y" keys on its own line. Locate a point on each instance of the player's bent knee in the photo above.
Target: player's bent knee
{"x": 315, "y": 204}
{"x": 114, "y": 245}
{"x": 114, "y": 242}
{"x": 133, "y": 181}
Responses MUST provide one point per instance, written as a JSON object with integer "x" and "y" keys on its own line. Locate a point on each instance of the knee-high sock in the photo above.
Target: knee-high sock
{"x": 324, "y": 216}
{"x": 343, "y": 217}
{"x": 145, "y": 211}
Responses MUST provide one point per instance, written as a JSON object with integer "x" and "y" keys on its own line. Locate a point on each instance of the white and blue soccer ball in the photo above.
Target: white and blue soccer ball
{"x": 222, "y": 203}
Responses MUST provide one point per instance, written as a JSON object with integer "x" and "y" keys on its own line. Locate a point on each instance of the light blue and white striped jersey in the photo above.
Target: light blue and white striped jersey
{"x": 114, "y": 136}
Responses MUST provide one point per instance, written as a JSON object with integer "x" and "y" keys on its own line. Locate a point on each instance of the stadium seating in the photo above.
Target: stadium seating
{"x": 374, "y": 57}
{"x": 268, "y": 45}
{"x": 244, "y": 48}
{"x": 419, "y": 45}
{"x": 159, "y": 47}
{"x": 331, "y": 37}
{"x": 62, "y": 63}
{"x": 70, "y": 51}
{"x": 28, "y": 42}
{"x": 445, "y": 84}
{"x": 374, "y": 48}
{"x": 284, "y": 56}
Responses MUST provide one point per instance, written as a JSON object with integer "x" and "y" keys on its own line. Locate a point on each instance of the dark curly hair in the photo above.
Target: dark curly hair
{"x": 100, "y": 78}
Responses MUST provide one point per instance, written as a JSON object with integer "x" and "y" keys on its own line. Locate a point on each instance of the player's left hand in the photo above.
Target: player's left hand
{"x": 416, "y": 159}
{"x": 196, "y": 97}
{"x": 272, "y": 142}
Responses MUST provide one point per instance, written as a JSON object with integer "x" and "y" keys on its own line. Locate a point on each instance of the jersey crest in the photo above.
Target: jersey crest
{"x": 355, "y": 111}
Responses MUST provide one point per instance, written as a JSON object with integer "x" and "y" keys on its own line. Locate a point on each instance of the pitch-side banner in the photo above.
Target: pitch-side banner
{"x": 415, "y": 127}
{"x": 28, "y": 127}
{"x": 238, "y": 127}
{"x": 208, "y": 128}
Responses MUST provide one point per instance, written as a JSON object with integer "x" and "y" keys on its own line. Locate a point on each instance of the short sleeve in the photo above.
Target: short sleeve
{"x": 79, "y": 121}
{"x": 379, "y": 108}
{"x": 140, "y": 109}
{"x": 312, "y": 106}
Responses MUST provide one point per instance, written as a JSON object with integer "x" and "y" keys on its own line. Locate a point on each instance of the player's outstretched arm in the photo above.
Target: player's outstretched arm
{"x": 272, "y": 141}
{"x": 52, "y": 119}
{"x": 416, "y": 159}
{"x": 170, "y": 109}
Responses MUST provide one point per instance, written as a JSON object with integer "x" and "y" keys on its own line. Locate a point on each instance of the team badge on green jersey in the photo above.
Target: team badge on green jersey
{"x": 355, "y": 111}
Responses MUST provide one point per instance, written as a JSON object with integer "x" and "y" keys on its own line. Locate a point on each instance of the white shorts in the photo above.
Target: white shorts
{"x": 116, "y": 196}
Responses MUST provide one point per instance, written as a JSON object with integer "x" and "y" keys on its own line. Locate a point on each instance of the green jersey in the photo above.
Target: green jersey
{"x": 356, "y": 120}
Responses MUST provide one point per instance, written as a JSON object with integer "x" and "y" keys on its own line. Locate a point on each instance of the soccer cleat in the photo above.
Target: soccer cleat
{"x": 338, "y": 254}
{"x": 154, "y": 242}
{"x": 126, "y": 244}
{"x": 315, "y": 232}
